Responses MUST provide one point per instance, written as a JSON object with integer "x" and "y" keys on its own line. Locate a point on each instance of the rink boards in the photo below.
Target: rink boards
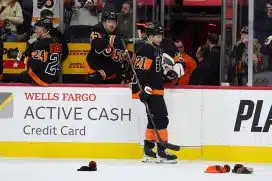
{"x": 227, "y": 124}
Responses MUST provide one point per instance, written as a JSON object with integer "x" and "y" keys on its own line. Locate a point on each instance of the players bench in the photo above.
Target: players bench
{"x": 73, "y": 68}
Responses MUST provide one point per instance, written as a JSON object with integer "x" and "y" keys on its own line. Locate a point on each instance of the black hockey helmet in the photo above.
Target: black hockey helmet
{"x": 45, "y": 23}
{"x": 108, "y": 15}
{"x": 154, "y": 28}
{"x": 244, "y": 30}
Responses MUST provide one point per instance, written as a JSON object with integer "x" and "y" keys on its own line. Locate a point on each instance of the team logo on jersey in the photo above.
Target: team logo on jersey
{"x": 45, "y": 3}
{"x": 95, "y": 35}
{"x": 6, "y": 105}
{"x": 55, "y": 48}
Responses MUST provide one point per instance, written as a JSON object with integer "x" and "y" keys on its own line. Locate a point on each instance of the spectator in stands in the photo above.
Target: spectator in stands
{"x": 263, "y": 29}
{"x": 109, "y": 5}
{"x": 180, "y": 46}
{"x": 11, "y": 14}
{"x": 200, "y": 54}
{"x": 239, "y": 72}
{"x": 106, "y": 5}
{"x": 125, "y": 18}
{"x": 208, "y": 72}
{"x": 68, "y": 12}
{"x": 24, "y": 29}
{"x": 85, "y": 12}
{"x": 46, "y": 13}
{"x": 190, "y": 63}
{"x": 263, "y": 19}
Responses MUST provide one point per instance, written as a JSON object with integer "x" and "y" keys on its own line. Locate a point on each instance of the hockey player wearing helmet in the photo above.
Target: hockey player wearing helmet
{"x": 104, "y": 60}
{"x": 109, "y": 21}
{"x": 154, "y": 31}
{"x": 43, "y": 60}
{"x": 55, "y": 33}
{"x": 42, "y": 27}
{"x": 149, "y": 69}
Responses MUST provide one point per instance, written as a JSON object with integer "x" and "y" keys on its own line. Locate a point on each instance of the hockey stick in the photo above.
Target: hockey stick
{"x": 162, "y": 143}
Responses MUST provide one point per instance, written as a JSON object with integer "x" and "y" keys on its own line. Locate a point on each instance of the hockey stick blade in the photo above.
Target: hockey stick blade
{"x": 170, "y": 146}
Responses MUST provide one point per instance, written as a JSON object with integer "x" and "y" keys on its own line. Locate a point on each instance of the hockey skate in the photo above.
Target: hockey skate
{"x": 149, "y": 154}
{"x": 164, "y": 157}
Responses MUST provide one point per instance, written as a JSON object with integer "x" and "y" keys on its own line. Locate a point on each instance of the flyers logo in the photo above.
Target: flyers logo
{"x": 6, "y": 105}
{"x": 95, "y": 35}
{"x": 45, "y": 3}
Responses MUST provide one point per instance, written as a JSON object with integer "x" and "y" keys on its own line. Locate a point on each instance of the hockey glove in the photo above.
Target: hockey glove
{"x": 97, "y": 78}
{"x": 170, "y": 74}
{"x": 241, "y": 169}
{"x": 145, "y": 94}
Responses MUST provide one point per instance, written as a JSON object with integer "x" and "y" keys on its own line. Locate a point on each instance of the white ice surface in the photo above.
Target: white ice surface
{"x": 120, "y": 170}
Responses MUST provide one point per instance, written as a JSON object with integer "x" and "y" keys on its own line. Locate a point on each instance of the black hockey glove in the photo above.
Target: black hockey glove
{"x": 145, "y": 94}
{"x": 241, "y": 169}
{"x": 171, "y": 75}
{"x": 96, "y": 78}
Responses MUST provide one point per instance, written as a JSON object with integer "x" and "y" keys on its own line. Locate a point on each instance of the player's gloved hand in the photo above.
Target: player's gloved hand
{"x": 145, "y": 94}
{"x": 171, "y": 75}
{"x": 97, "y": 77}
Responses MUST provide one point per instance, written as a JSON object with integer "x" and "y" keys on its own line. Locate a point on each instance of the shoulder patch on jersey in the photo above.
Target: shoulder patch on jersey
{"x": 55, "y": 48}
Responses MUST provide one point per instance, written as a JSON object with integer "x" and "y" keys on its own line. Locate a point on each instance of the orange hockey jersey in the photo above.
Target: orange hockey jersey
{"x": 190, "y": 67}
